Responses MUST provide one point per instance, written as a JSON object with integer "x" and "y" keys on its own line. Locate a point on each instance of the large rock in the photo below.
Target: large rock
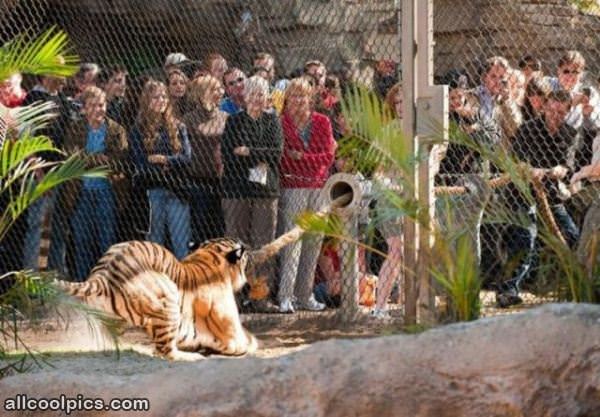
{"x": 544, "y": 362}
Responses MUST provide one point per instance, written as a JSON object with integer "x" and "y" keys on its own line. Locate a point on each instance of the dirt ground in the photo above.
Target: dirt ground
{"x": 278, "y": 334}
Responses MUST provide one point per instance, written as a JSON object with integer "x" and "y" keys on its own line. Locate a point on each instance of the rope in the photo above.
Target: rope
{"x": 259, "y": 256}
{"x": 504, "y": 179}
{"x": 461, "y": 189}
{"x": 545, "y": 209}
{"x": 269, "y": 250}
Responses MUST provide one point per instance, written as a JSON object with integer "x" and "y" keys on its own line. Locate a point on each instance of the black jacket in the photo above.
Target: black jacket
{"x": 265, "y": 139}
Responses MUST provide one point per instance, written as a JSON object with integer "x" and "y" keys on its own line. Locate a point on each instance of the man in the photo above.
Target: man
{"x": 48, "y": 89}
{"x": 546, "y": 144}
{"x": 233, "y": 79}
{"x": 113, "y": 80}
{"x": 93, "y": 201}
{"x": 585, "y": 105}
{"x": 264, "y": 66}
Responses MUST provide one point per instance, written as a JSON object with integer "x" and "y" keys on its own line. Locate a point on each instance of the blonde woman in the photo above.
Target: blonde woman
{"x": 308, "y": 155}
{"x": 161, "y": 152}
{"x": 206, "y": 123}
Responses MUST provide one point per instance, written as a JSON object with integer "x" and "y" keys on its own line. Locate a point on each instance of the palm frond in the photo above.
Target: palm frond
{"x": 33, "y": 117}
{"x": 14, "y": 152}
{"x": 31, "y": 189}
{"x": 376, "y": 139}
{"x": 31, "y": 299}
{"x": 48, "y": 54}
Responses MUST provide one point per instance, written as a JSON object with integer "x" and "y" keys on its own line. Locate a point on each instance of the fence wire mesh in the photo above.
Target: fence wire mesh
{"x": 214, "y": 165}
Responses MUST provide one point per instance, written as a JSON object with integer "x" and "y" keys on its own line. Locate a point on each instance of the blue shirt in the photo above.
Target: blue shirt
{"x": 95, "y": 143}
{"x": 228, "y": 106}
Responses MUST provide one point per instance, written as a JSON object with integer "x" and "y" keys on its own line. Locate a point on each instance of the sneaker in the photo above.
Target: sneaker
{"x": 380, "y": 314}
{"x": 311, "y": 305}
{"x": 508, "y": 298}
{"x": 286, "y": 306}
{"x": 264, "y": 306}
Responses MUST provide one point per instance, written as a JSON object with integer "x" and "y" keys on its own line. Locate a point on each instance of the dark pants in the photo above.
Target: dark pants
{"x": 522, "y": 250}
{"x": 566, "y": 224}
{"x": 523, "y": 244}
{"x": 208, "y": 221}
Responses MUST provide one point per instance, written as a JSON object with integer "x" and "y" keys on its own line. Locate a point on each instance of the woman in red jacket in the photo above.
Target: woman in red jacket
{"x": 308, "y": 154}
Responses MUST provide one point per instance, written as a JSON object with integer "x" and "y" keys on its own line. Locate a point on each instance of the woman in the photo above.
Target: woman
{"x": 308, "y": 154}
{"x": 206, "y": 124}
{"x": 178, "y": 86}
{"x": 161, "y": 152}
{"x": 389, "y": 221}
{"x": 252, "y": 145}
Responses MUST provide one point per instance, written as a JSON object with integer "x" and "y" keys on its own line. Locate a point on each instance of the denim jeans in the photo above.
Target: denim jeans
{"x": 522, "y": 250}
{"x": 94, "y": 228}
{"x": 58, "y": 231}
{"x": 168, "y": 212}
{"x": 566, "y": 224}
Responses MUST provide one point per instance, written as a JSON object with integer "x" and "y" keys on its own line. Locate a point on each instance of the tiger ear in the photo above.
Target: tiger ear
{"x": 235, "y": 255}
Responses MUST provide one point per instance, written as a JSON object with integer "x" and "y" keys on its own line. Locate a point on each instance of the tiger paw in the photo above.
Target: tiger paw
{"x": 178, "y": 355}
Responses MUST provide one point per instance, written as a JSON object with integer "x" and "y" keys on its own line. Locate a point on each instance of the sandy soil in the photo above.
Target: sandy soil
{"x": 278, "y": 334}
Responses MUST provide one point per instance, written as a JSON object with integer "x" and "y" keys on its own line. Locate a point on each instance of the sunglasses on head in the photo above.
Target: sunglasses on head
{"x": 238, "y": 80}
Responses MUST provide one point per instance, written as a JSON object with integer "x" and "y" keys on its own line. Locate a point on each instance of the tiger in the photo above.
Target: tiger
{"x": 183, "y": 306}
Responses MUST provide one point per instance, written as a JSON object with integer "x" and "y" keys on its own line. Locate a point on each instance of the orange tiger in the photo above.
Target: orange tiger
{"x": 183, "y": 306}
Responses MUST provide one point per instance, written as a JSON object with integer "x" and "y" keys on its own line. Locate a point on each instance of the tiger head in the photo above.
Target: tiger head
{"x": 235, "y": 258}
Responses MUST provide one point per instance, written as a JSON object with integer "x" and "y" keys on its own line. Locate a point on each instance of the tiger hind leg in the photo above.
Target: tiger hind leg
{"x": 162, "y": 326}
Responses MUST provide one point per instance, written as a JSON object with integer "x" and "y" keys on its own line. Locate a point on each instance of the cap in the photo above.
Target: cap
{"x": 175, "y": 58}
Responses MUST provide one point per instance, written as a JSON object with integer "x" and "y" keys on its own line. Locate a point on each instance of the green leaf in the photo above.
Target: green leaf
{"x": 15, "y": 152}
{"x": 48, "y": 55}
{"x": 32, "y": 189}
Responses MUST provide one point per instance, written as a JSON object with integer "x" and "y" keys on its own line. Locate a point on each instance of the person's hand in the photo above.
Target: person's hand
{"x": 334, "y": 286}
{"x": 538, "y": 173}
{"x": 241, "y": 151}
{"x": 591, "y": 172}
{"x": 157, "y": 159}
{"x": 579, "y": 98}
{"x": 558, "y": 172}
{"x": 579, "y": 175}
{"x": 297, "y": 155}
{"x": 102, "y": 159}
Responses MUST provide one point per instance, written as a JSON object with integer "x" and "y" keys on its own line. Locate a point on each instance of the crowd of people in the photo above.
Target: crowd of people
{"x": 200, "y": 149}
{"x": 549, "y": 122}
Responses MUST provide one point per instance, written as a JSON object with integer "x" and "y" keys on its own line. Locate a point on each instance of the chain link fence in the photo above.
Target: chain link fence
{"x": 523, "y": 76}
{"x": 201, "y": 190}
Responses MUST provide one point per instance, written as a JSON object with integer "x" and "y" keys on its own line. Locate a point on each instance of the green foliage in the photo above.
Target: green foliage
{"x": 19, "y": 168}
{"x": 574, "y": 280}
{"x": 457, "y": 273}
{"x": 31, "y": 298}
{"x": 586, "y": 6}
{"x": 24, "y": 178}
{"x": 47, "y": 54}
{"x": 376, "y": 141}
